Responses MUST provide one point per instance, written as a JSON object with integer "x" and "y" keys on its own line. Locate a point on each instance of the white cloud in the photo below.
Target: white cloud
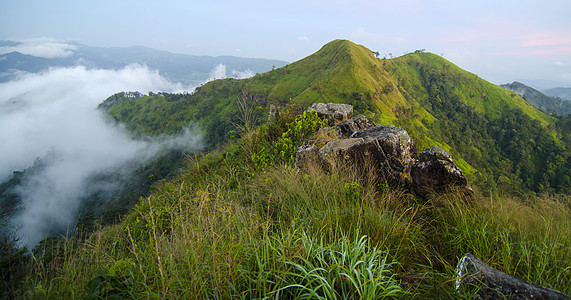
{"x": 41, "y": 47}
{"x": 219, "y": 72}
{"x": 303, "y": 38}
{"x": 242, "y": 74}
{"x": 55, "y": 113}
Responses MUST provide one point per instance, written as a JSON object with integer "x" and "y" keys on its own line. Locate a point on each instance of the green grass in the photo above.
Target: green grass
{"x": 490, "y": 131}
{"x": 227, "y": 229}
{"x": 236, "y": 224}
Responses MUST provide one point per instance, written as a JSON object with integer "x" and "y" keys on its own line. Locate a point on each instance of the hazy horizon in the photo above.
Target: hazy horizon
{"x": 501, "y": 41}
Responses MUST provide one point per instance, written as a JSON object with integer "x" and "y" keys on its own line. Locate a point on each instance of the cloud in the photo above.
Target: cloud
{"x": 219, "y": 72}
{"x": 53, "y": 116}
{"x": 303, "y": 38}
{"x": 41, "y": 47}
{"x": 241, "y": 74}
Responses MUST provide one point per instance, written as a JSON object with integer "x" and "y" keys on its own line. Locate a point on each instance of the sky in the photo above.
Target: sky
{"x": 500, "y": 40}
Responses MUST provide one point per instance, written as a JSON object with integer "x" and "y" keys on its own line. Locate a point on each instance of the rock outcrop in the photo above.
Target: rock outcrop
{"x": 490, "y": 283}
{"x": 358, "y": 143}
{"x": 347, "y": 128}
{"x": 434, "y": 172}
{"x": 334, "y": 112}
{"x": 389, "y": 150}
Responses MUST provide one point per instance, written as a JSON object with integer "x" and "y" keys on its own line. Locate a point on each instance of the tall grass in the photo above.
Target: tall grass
{"x": 226, "y": 229}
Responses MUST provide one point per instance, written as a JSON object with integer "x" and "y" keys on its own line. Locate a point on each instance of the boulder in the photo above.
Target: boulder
{"x": 347, "y": 128}
{"x": 386, "y": 148}
{"x": 490, "y": 283}
{"x": 334, "y": 112}
{"x": 307, "y": 155}
{"x": 434, "y": 172}
{"x": 308, "y": 152}
{"x": 395, "y": 142}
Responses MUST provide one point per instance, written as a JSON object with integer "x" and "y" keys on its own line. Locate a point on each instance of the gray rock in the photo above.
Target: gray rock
{"x": 490, "y": 283}
{"x": 394, "y": 141}
{"x": 386, "y": 148}
{"x": 347, "y": 128}
{"x": 434, "y": 172}
{"x": 334, "y": 112}
{"x": 306, "y": 156}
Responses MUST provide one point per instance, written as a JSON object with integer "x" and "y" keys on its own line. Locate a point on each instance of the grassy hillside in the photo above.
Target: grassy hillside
{"x": 551, "y": 105}
{"x": 493, "y": 133}
{"x": 230, "y": 227}
{"x": 241, "y": 222}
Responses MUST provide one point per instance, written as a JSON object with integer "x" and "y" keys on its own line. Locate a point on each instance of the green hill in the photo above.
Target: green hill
{"x": 493, "y": 133}
{"x": 235, "y": 225}
{"x": 548, "y": 104}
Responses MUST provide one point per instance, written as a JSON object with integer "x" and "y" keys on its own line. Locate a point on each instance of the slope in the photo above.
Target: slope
{"x": 548, "y": 104}
{"x": 493, "y": 134}
{"x": 561, "y": 92}
{"x": 227, "y": 229}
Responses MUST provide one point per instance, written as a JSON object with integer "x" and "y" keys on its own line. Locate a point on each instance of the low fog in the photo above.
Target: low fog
{"x": 53, "y": 116}
{"x": 219, "y": 72}
{"x": 40, "y": 47}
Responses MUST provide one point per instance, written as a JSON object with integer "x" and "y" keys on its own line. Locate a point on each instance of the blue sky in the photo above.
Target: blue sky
{"x": 501, "y": 40}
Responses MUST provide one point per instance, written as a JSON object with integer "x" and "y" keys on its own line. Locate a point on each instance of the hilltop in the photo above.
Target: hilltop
{"x": 491, "y": 131}
{"x": 240, "y": 221}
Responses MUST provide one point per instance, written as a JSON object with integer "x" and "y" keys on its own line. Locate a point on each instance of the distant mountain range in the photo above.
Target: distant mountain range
{"x": 187, "y": 69}
{"x": 548, "y": 104}
{"x": 542, "y": 84}
{"x": 561, "y": 92}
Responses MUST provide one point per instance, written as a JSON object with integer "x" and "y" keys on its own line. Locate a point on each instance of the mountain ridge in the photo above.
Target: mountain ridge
{"x": 437, "y": 102}
{"x": 540, "y": 100}
{"x": 185, "y": 68}
{"x": 241, "y": 221}
{"x": 561, "y": 92}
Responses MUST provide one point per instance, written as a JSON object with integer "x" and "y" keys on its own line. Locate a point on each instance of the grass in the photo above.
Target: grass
{"x": 228, "y": 228}
{"x": 434, "y": 100}
{"x": 225, "y": 229}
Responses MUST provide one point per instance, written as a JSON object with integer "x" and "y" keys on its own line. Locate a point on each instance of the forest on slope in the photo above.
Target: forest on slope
{"x": 233, "y": 226}
{"x": 499, "y": 140}
{"x": 547, "y": 104}
{"x": 226, "y": 225}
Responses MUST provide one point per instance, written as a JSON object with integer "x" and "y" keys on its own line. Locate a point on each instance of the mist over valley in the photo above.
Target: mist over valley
{"x": 60, "y": 152}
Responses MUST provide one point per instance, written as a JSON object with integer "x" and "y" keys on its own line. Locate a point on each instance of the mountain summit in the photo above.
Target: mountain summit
{"x": 493, "y": 132}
